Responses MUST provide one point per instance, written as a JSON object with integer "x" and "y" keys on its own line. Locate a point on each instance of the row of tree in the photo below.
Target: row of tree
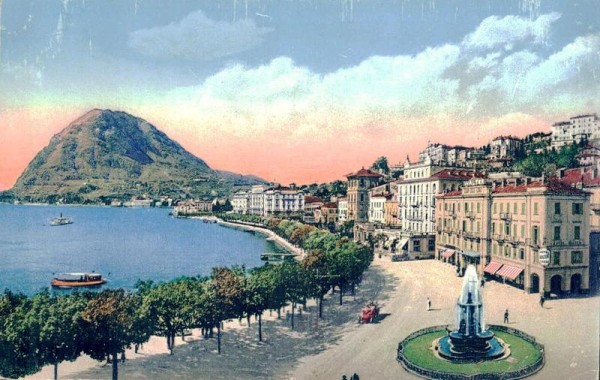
{"x": 48, "y": 329}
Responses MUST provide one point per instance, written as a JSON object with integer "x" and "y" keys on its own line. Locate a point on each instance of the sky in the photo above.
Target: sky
{"x": 296, "y": 90}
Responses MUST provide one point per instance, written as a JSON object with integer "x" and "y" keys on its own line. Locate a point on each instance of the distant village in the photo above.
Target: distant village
{"x": 536, "y": 228}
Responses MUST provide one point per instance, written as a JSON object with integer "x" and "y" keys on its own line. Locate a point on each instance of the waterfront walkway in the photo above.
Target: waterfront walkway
{"x": 338, "y": 345}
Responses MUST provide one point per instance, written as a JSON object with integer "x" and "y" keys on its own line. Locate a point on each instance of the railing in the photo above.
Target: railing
{"x": 434, "y": 374}
{"x": 500, "y": 238}
{"x": 535, "y": 244}
{"x": 471, "y": 236}
{"x": 470, "y": 215}
{"x": 505, "y": 216}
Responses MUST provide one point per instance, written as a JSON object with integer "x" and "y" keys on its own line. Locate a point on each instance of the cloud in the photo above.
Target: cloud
{"x": 198, "y": 37}
{"x": 495, "y": 31}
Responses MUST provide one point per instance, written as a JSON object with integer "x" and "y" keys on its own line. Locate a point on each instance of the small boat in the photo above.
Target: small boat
{"x": 75, "y": 280}
{"x": 61, "y": 221}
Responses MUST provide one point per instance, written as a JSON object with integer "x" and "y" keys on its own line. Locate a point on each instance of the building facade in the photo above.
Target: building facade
{"x": 241, "y": 202}
{"x": 342, "y": 211}
{"x": 575, "y": 130}
{"x": 377, "y": 209}
{"x": 505, "y": 147}
{"x": 283, "y": 200}
{"x": 359, "y": 184}
{"x": 505, "y": 229}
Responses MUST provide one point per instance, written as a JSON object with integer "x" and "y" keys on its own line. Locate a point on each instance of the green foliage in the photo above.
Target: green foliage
{"x": 547, "y": 162}
{"x": 381, "y": 165}
{"x": 246, "y": 218}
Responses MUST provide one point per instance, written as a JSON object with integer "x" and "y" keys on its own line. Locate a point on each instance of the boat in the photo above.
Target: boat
{"x": 75, "y": 280}
{"x": 61, "y": 221}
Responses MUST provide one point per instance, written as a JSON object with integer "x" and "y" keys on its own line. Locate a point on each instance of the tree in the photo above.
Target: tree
{"x": 172, "y": 307}
{"x": 296, "y": 283}
{"x": 110, "y": 321}
{"x": 381, "y": 165}
{"x": 261, "y": 289}
{"x": 226, "y": 297}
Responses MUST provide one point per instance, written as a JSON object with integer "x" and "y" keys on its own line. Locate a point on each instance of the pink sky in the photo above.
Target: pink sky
{"x": 274, "y": 154}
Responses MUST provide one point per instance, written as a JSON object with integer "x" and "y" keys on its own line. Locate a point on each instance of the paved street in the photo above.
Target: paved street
{"x": 569, "y": 328}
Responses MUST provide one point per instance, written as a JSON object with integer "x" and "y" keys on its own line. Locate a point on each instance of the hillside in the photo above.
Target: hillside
{"x": 106, "y": 155}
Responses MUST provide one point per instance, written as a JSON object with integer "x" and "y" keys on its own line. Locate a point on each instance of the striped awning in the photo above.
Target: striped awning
{"x": 448, "y": 253}
{"x": 510, "y": 272}
{"x": 492, "y": 267}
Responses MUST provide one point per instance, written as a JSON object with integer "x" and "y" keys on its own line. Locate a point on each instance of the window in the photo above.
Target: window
{"x": 494, "y": 250}
{"x": 507, "y": 229}
{"x": 417, "y": 245}
{"x": 577, "y": 208}
{"x": 535, "y": 233}
{"x": 494, "y": 208}
{"x": 522, "y": 230}
{"x": 576, "y": 257}
{"x": 431, "y": 245}
{"x": 577, "y": 233}
{"x": 466, "y": 207}
{"x": 506, "y": 251}
{"x": 523, "y": 208}
{"x": 464, "y": 225}
{"x": 556, "y": 233}
{"x": 515, "y": 208}
{"x": 556, "y": 208}
{"x": 478, "y": 226}
{"x": 478, "y": 208}
{"x": 501, "y": 207}
{"x": 535, "y": 208}
{"x": 493, "y": 227}
{"x": 556, "y": 258}
{"x": 522, "y": 254}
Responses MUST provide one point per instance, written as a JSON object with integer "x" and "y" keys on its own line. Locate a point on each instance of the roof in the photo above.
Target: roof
{"x": 311, "y": 199}
{"x": 457, "y": 174}
{"x": 364, "y": 173}
{"x": 584, "y": 176}
{"x": 454, "y": 193}
{"x": 553, "y": 186}
{"x": 329, "y": 205}
{"x": 505, "y": 138}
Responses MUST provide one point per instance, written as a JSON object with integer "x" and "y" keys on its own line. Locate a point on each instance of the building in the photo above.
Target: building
{"x": 377, "y": 209}
{"x": 342, "y": 211}
{"x": 505, "y": 229}
{"x": 505, "y": 148}
{"x": 359, "y": 184}
{"x": 391, "y": 211}
{"x": 257, "y": 200}
{"x": 241, "y": 202}
{"x": 327, "y": 213}
{"x": 589, "y": 156}
{"x": 282, "y": 200}
{"x": 194, "y": 206}
{"x": 311, "y": 205}
{"x": 575, "y": 130}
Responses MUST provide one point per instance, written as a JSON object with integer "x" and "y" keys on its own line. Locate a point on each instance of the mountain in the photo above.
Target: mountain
{"x": 107, "y": 155}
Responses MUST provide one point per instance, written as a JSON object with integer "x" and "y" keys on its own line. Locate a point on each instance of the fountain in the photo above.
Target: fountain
{"x": 470, "y": 341}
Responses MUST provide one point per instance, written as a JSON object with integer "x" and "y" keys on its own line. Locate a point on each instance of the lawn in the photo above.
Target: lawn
{"x": 522, "y": 353}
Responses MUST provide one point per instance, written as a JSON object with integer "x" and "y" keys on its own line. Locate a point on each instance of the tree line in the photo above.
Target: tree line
{"x": 47, "y": 329}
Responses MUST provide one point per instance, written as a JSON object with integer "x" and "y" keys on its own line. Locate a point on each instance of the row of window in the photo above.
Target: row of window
{"x": 510, "y": 252}
{"x": 576, "y": 208}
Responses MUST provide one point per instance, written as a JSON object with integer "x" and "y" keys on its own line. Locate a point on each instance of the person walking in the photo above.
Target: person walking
{"x": 506, "y": 316}
{"x": 542, "y": 300}
{"x": 428, "y": 304}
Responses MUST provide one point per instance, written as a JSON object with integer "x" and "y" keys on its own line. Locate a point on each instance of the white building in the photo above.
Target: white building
{"x": 257, "y": 199}
{"x": 377, "y": 209}
{"x": 505, "y": 147}
{"x": 342, "y": 211}
{"x": 576, "y": 129}
{"x": 241, "y": 202}
{"x": 282, "y": 200}
{"x": 416, "y": 193}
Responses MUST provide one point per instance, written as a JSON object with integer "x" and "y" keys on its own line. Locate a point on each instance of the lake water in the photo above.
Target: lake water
{"x": 124, "y": 244}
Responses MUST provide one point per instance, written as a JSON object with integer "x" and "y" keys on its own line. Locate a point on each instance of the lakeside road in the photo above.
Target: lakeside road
{"x": 270, "y": 234}
{"x": 337, "y": 345}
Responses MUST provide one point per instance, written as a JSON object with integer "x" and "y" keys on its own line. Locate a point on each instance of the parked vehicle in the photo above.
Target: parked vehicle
{"x": 369, "y": 313}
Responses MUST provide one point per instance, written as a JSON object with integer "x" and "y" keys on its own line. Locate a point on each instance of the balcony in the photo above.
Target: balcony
{"x": 500, "y": 238}
{"x": 505, "y": 216}
{"x": 595, "y": 208}
{"x": 470, "y": 215}
{"x": 533, "y": 243}
{"x": 471, "y": 236}
{"x": 576, "y": 243}
{"x": 452, "y": 214}
{"x": 557, "y": 218}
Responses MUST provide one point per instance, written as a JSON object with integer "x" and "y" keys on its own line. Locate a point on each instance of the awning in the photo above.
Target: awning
{"x": 402, "y": 243}
{"x": 471, "y": 253}
{"x": 448, "y": 253}
{"x": 510, "y": 272}
{"x": 492, "y": 267}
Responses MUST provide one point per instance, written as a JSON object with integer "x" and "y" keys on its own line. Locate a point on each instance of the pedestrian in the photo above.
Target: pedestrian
{"x": 428, "y": 304}
{"x": 344, "y": 377}
{"x": 542, "y": 300}
{"x": 354, "y": 377}
{"x": 506, "y": 316}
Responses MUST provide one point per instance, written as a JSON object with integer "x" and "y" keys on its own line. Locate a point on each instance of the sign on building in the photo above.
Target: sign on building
{"x": 544, "y": 256}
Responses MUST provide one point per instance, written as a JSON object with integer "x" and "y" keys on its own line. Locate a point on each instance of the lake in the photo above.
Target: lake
{"x": 124, "y": 244}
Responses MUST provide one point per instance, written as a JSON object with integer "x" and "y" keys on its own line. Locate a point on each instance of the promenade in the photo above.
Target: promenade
{"x": 338, "y": 345}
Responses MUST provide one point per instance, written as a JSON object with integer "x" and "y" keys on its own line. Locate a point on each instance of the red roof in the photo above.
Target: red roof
{"x": 453, "y": 193}
{"x": 457, "y": 174}
{"x": 329, "y": 205}
{"x": 311, "y": 199}
{"x": 364, "y": 173}
{"x": 583, "y": 176}
{"x": 553, "y": 186}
